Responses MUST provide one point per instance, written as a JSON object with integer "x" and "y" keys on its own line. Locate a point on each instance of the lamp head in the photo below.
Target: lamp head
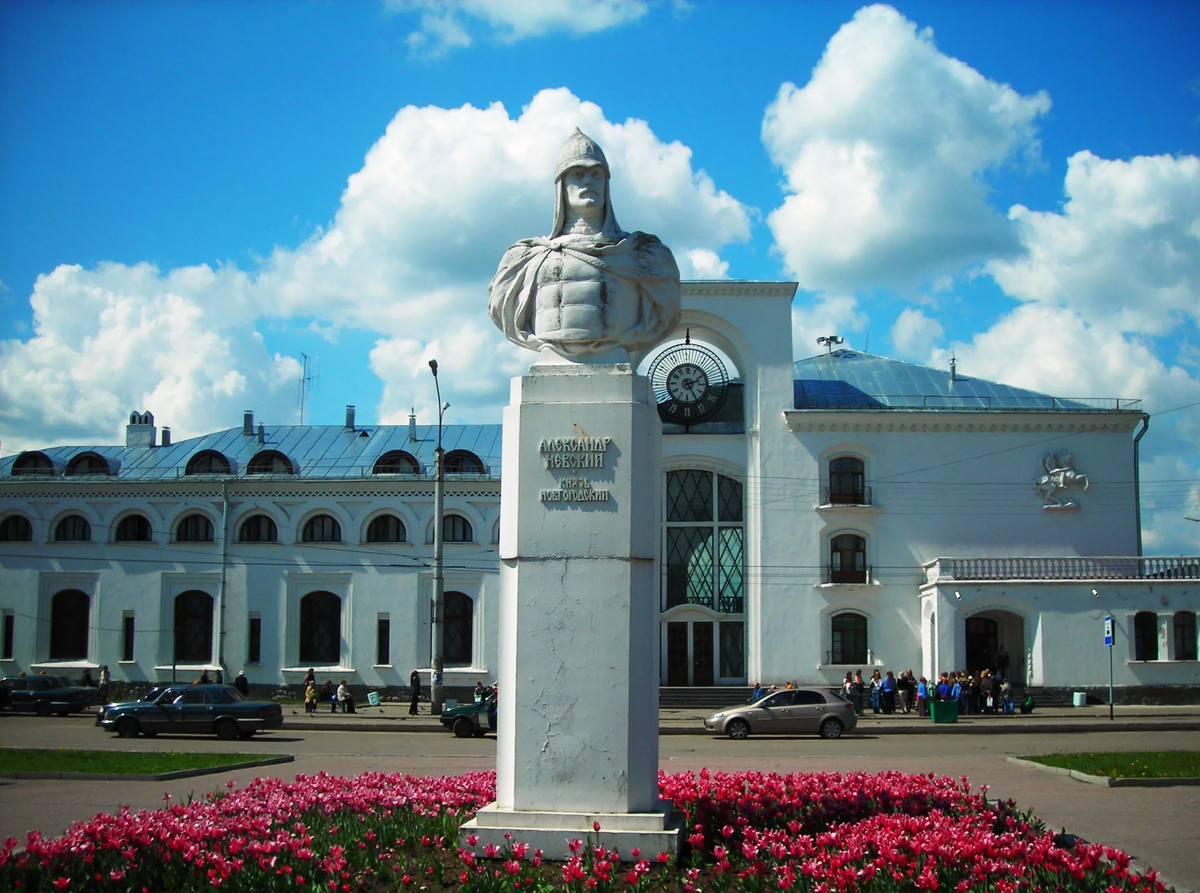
{"x": 1095, "y": 593}
{"x": 433, "y": 367}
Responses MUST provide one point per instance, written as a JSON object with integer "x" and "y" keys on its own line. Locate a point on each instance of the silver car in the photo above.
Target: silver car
{"x": 785, "y": 712}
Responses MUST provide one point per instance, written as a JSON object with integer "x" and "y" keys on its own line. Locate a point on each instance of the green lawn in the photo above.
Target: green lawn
{"x": 112, "y": 762}
{"x": 1139, "y": 764}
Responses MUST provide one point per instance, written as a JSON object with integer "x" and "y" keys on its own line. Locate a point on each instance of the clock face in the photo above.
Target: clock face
{"x": 690, "y": 384}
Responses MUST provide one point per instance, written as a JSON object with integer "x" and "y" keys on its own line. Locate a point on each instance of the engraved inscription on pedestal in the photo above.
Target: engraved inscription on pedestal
{"x": 574, "y": 454}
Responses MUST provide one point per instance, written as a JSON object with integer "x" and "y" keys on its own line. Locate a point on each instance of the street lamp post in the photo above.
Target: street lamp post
{"x": 436, "y": 662}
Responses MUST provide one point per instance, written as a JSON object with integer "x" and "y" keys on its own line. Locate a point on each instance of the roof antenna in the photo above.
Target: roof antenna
{"x": 953, "y": 368}
{"x": 830, "y": 341}
{"x": 687, "y": 336}
{"x": 867, "y": 344}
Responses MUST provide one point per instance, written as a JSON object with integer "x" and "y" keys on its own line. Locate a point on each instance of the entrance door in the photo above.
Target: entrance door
{"x": 702, "y": 653}
{"x": 983, "y": 639}
{"x": 677, "y": 654}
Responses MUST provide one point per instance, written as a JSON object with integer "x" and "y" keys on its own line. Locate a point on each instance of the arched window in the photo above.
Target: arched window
{"x": 322, "y": 529}
{"x": 704, "y": 541}
{"x": 846, "y": 482}
{"x": 1145, "y": 635}
{"x": 88, "y": 463}
{"x": 457, "y": 529}
{"x": 194, "y": 528}
{"x": 133, "y": 529}
{"x": 1185, "y": 635}
{"x": 73, "y": 529}
{"x": 496, "y": 532}
{"x": 458, "y": 630}
{"x": 270, "y": 462}
{"x": 193, "y": 627}
{"x": 208, "y": 462}
{"x": 16, "y": 529}
{"x": 848, "y": 639}
{"x": 69, "y": 612}
{"x": 396, "y": 462}
{"x": 463, "y": 462}
{"x": 848, "y": 559}
{"x": 32, "y": 462}
{"x": 386, "y": 529}
{"x": 321, "y": 629}
{"x": 258, "y": 529}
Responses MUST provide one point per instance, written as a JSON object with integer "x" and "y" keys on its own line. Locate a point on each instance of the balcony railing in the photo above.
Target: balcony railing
{"x": 1065, "y": 568}
{"x": 847, "y": 497}
{"x": 851, "y": 577}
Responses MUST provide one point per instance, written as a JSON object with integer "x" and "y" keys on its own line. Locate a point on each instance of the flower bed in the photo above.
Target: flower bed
{"x": 746, "y": 833}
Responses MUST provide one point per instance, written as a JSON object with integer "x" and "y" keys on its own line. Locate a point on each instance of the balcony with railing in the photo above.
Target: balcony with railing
{"x": 1134, "y": 567}
{"x": 834, "y": 497}
{"x": 853, "y": 576}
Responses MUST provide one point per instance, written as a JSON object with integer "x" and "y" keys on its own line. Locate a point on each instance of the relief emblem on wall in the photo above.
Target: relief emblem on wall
{"x": 1060, "y": 476}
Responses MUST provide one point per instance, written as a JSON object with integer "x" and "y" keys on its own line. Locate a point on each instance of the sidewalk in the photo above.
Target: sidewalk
{"x": 395, "y": 718}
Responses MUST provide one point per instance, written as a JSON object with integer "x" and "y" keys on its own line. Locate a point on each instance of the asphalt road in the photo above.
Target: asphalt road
{"x": 1159, "y": 826}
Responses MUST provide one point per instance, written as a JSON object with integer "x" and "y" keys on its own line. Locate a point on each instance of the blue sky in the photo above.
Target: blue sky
{"x": 210, "y": 190}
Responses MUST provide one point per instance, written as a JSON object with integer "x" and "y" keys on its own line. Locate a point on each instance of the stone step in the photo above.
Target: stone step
{"x": 702, "y": 696}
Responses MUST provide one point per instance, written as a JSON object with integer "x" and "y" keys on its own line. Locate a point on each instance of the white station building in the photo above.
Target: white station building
{"x": 843, "y": 512}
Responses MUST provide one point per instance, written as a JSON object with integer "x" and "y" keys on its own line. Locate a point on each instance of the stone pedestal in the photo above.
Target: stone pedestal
{"x": 578, "y": 696}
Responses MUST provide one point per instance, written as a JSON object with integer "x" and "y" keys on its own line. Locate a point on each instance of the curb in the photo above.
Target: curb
{"x": 162, "y": 776}
{"x": 1104, "y": 780}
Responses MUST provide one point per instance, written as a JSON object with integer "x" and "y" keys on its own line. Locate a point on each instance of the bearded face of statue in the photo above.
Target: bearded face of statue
{"x": 585, "y": 189}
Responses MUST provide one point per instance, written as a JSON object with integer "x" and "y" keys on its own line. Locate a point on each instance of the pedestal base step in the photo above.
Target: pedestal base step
{"x": 551, "y": 832}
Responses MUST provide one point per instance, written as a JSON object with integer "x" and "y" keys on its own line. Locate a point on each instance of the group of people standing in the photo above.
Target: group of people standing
{"x": 885, "y": 692}
{"x": 339, "y": 699}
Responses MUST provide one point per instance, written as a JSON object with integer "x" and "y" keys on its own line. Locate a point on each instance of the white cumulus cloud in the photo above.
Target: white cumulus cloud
{"x": 827, "y": 315}
{"x": 914, "y": 334}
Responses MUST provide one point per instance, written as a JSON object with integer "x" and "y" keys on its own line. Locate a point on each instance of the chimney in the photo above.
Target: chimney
{"x": 166, "y": 437}
{"x": 140, "y": 430}
{"x": 350, "y": 417}
{"x": 248, "y": 423}
{"x": 412, "y": 425}
{"x": 262, "y": 433}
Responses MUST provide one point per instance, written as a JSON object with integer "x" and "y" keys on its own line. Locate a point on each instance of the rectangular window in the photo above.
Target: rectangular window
{"x": 127, "y": 629}
{"x": 383, "y": 650}
{"x": 1185, "y": 635}
{"x": 254, "y": 641}
{"x": 10, "y": 622}
{"x": 733, "y": 664}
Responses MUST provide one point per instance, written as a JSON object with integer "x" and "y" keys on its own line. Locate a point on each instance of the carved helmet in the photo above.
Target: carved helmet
{"x": 580, "y": 150}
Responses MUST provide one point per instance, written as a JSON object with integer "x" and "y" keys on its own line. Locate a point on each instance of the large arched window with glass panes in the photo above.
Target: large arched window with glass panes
{"x": 703, "y": 541}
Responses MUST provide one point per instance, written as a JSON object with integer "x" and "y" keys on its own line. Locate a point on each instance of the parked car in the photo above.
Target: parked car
{"x": 219, "y": 710}
{"x": 474, "y": 719}
{"x": 46, "y": 694}
{"x": 801, "y": 710}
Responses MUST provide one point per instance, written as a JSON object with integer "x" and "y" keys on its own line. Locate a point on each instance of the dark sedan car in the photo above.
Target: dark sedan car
{"x": 46, "y": 694}
{"x": 219, "y": 710}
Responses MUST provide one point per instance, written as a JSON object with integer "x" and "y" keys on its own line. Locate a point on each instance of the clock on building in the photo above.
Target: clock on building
{"x": 690, "y": 383}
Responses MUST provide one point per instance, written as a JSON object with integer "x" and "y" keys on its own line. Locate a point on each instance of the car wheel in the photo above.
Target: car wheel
{"x": 41, "y": 708}
{"x": 127, "y": 727}
{"x": 738, "y": 729}
{"x": 831, "y": 729}
{"x": 463, "y": 728}
{"x": 226, "y": 730}
{"x": 246, "y": 735}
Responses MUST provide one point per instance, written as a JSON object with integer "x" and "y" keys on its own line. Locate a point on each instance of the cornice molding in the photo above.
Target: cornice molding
{"x": 920, "y": 421}
{"x": 733, "y": 288}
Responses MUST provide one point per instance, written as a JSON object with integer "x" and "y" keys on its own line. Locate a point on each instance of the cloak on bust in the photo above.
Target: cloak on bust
{"x": 638, "y": 270}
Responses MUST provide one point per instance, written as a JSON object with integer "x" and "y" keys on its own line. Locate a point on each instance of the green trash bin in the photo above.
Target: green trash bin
{"x": 943, "y": 711}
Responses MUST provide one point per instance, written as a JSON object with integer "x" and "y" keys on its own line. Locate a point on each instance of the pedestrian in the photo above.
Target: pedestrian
{"x": 105, "y": 679}
{"x": 922, "y": 697}
{"x": 994, "y": 695}
{"x": 957, "y": 692}
{"x": 876, "y": 693}
{"x": 242, "y": 684}
{"x": 973, "y": 692}
{"x": 310, "y": 678}
{"x": 205, "y": 679}
{"x": 1006, "y": 693}
{"x": 329, "y": 696}
{"x": 943, "y": 688}
{"x": 343, "y": 696}
{"x": 310, "y": 698}
{"x": 220, "y": 680}
{"x": 414, "y": 686}
{"x": 859, "y": 689}
{"x": 908, "y": 690}
{"x": 1002, "y": 663}
{"x": 757, "y": 693}
{"x": 888, "y": 690}
{"x": 87, "y": 680}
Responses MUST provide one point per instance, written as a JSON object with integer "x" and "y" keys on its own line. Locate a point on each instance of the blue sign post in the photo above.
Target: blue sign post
{"x": 1108, "y": 641}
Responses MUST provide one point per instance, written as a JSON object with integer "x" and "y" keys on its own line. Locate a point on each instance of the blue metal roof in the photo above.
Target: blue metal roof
{"x": 851, "y": 379}
{"x": 315, "y": 451}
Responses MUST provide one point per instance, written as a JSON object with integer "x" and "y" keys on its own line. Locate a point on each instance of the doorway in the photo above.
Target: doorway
{"x": 989, "y": 631}
{"x": 702, "y": 653}
{"x": 677, "y": 654}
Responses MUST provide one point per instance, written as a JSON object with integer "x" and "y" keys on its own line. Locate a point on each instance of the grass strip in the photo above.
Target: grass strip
{"x": 1134, "y": 764}
{"x": 112, "y": 762}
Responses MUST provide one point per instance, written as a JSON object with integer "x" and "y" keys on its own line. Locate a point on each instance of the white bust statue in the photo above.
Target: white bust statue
{"x": 588, "y": 292}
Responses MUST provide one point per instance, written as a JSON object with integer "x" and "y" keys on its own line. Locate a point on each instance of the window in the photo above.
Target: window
{"x": 193, "y": 627}
{"x": 69, "y": 612}
{"x": 848, "y": 559}
{"x": 258, "y": 529}
{"x": 463, "y": 462}
{"x": 194, "y": 529}
{"x": 457, "y": 630}
{"x": 32, "y": 463}
{"x": 848, "y": 638}
{"x": 321, "y": 629}
{"x": 733, "y": 661}
{"x": 846, "y": 482}
{"x": 254, "y": 640}
{"x": 396, "y": 462}
{"x": 133, "y": 529}
{"x": 10, "y": 625}
{"x": 383, "y": 640}
{"x": 703, "y": 541}
{"x": 1185, "y": 635}
{"x": 804, "y": 698}
{"x": 208, "y": 462}
{"x": 270, "y": 462}
{"x": 88, "y": 463}
{"x": 1145, "y": 635}
{"x": 16, "y": 529}
{"x": 322, "y": 529}
{"x": 127, "y": 633}
{"x": 457, "y": 529}
{"x": 73, "y": 529}
{"x": 386, "y": 529}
